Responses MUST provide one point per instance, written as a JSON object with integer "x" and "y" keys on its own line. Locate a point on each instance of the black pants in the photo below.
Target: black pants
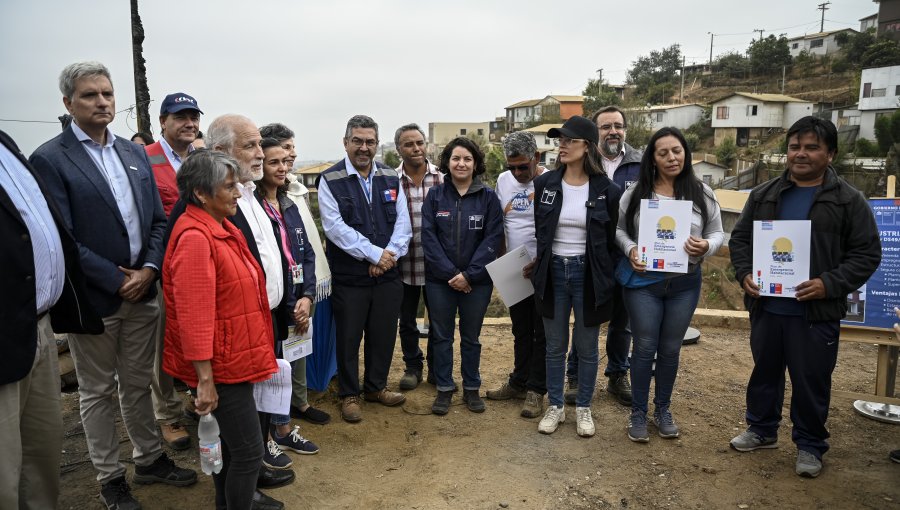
{"x": 409, "y": 332}
{"x": 809, "y": 351}
{"x": 241, "y": 451}
{"x": 371, "y": 311}
{"x": 529, "y": 347}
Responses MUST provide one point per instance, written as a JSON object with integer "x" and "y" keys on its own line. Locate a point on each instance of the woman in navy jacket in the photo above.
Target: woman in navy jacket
{"x": 462, "y": 225}
{"x": 576, "y": 208}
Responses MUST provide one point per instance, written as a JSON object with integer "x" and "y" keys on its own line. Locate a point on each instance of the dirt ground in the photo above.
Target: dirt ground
{"x": 409, "y": 459}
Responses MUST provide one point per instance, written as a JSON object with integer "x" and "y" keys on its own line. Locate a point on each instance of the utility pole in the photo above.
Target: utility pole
{"x": 599, "y": 81}
{"x": 711, "y": 37}
{"x": 783, "y": 72}
{"x": 141, "y": 91}
{"x": 823, "y": 7}
{"x": 760, "y": 32}
{"x": 682, "y": 79}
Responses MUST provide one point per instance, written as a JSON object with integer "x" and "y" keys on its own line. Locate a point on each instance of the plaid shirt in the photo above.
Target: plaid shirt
{"x": 412, "y": 266}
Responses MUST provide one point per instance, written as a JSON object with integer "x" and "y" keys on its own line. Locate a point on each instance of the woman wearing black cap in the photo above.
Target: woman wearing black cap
{"x": 576, "y": 209}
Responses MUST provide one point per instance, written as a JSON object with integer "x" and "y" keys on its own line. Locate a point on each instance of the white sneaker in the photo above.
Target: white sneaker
{"x": 552, "y": 418}
{"x": 585, "y": 421}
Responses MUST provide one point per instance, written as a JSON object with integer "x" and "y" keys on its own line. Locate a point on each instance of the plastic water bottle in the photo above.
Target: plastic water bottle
{"x": 210, "y": 444}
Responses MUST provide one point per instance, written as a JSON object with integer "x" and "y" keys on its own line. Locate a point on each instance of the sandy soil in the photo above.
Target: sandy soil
{"x": 407, "y": 458}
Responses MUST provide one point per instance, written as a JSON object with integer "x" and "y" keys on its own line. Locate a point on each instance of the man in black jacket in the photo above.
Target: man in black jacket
{"x": 802, "y": 333}
{"x": 44, "y": 286}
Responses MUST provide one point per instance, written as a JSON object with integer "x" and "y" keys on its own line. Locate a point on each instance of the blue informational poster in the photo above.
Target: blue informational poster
{"x": 873, "y": 304}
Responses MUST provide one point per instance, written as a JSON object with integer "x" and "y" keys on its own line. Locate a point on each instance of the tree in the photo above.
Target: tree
{"x": 596, "y": 97}
{"x": 726, "y": 152}
{"x": 883, "y": 53}
{"x": 391, "y": 159}
{"x": 768, "y": 55}
{"x": 732, "y": 64}
{"x": 854, "y": 45}
{"x": 653, "y": 76}
{"x": 494, "y": 161}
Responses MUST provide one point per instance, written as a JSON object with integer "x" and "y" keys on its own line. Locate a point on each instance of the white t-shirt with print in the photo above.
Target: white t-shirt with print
{"x": 517, "y": 201}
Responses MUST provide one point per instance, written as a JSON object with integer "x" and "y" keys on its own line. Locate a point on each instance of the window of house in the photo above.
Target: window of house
{"x": 462, "y": 132}
{"x": 897, "y": 90}
{"x": 879, "y": 92}
{"x": 751, "y": 110}
{"x": 867, "y": 90}
{"x": 480, "y": 132}
{"x": 794, "y": 46}
{"x": 722, "y": 112}
{"x": 816, "y": 43}
{"x": 659, "y": 116}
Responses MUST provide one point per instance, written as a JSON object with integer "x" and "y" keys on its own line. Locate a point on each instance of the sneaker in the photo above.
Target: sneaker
{"x": 473, "y": 401}
{"x": 441, "y": 405}
{"x": 665, "y": 424}
{"x": 895, "y": 456}
{"x": 295, "y": 442}
{"x": 274, "y": 458}
{"x": 808, "y": 465}
{"x": 505, "y": 392}
{"x": 163, "y": 470}
{"x": 411, "y": 379}
{"x": 312, "y": 415}
{"x": 748, "y": 441}
{"x": 350, "y": 410}
{"x": 620, "y": 387}
{"x": 585, "y": 422}
{"x": 175, "y": 436}
{"x": 571, "y": 393}
{"x": 637, "y": 427}
{"x": 116, "y": 495}
{"x": 533, "y": 406}
{"x": 552, "y": 418}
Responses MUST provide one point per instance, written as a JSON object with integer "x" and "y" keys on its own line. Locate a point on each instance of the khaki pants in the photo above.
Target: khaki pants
{"x": 31, "y": 431}
{"x": 119, "y": 359}
{"x": 167, "y": 405}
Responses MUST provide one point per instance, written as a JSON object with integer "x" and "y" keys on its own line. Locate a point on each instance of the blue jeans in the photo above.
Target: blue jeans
{"x": 567, "y": 275}
{"x": 618, "y": 342}
{"x": 443, "y": 304}
{"x": 665, "y": 310}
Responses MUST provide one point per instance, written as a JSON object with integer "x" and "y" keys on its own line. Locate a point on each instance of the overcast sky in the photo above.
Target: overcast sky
{"x": 314, "y": 64}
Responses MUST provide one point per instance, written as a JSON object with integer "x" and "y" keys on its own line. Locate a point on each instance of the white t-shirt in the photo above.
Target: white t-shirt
{"x": 517, "y": 201}
{"x": 571, "y": 231}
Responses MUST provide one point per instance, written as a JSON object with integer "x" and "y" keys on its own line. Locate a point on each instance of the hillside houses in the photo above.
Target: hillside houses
{"x": 749, "y": 118}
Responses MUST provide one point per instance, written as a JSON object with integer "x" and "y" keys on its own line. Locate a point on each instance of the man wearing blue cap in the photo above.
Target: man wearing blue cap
{"x": 179, "y": 120}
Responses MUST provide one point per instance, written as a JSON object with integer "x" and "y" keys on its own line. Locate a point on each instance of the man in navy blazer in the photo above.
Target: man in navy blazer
{"x": 107, "y": 195}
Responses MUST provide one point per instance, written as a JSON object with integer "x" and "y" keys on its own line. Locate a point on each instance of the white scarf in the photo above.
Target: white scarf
{"x": 298, "y": 193}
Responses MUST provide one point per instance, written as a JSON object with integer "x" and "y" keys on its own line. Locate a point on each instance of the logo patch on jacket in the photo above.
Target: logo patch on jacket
{"x": 547, "y": 197}
{"x": 476, "y": 222}
{"x": 390, "y": 195}
{"x": 442, "y": 214}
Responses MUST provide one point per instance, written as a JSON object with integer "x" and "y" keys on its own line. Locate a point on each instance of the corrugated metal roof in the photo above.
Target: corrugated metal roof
{"x": 314, "y": 169}
{"x": 567, "y": 99}
{"x": 543, "y": 128}
{"x": 731, "y": 199}
{"x": 822, "y": 34}
{"x": 522, "y": 104}
{"x": 770, "y": 98}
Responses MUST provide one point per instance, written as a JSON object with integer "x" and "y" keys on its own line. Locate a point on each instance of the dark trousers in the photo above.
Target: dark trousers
{"x": 809, "y": 351}
{"x": 618, "y": 341}
{"x": 241, "y": 446}
{"x": 409, "y": 332}
{"x": 371, "y": 311}
{"x": 529, "y": 347}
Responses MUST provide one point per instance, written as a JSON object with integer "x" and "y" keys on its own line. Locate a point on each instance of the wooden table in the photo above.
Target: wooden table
{"x": 886, "y": 370}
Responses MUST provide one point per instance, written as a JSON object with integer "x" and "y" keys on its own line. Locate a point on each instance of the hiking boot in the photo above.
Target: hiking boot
{"x": 295, "y": 442}
{"x": 620, "y": 387}
{"x": 163, "y": 470}
{"x": 571, "y": 393}
{"x": 748, "y": 441}
{"x": 175, "y": 436}
{"x": 473, "y": 401}
{"x": 551, "y": 420}
{"x": 116, "y": 495}
{"x": 274, "y": 458}
{"x": 808, "y": 465}
{"x": 584, "y": 421}
{"x": 441, "y": 405}
{"x": 637, "y": 427}
{"x": 350, "y": 410}
{"x": 533, "y": 406}
{"x": 411, "y": 378}
{"x": 665, "y": 424}
{"x": 385, "y": 397}
{"x": 506, "y": 392}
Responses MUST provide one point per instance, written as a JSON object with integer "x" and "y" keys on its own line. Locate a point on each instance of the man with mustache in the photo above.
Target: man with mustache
{"x": 622, "y": 164}
{"x": 179, "y": 118}
{"x": 367, "y": 225}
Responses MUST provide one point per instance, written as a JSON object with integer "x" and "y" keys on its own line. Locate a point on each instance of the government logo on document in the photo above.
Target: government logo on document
{"x": 782, "y": 250}
{"x": 665, "y": 228}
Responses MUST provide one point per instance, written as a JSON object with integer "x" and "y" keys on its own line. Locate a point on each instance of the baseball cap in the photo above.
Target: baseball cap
{"x": 577, "y": 127}
{"x": 177, "y": 102}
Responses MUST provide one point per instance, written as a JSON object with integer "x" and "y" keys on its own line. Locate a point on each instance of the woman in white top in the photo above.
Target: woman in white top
{"x": 575, "y": 211}
{"x": 665, "y": 302}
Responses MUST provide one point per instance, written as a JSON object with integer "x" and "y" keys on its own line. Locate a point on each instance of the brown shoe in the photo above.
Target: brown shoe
{"x": 175, "y": 436}
{"x": 350, "y": 410}
{"x": 388, "y": 398}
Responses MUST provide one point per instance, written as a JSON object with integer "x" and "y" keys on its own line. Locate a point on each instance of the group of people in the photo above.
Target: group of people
{"x": 169, "y": 262}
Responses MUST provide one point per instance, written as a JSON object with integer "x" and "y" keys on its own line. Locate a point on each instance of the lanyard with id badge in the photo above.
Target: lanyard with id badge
{"x": 297, "y": 268}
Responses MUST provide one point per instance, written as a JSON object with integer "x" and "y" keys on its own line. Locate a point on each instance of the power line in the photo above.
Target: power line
{"x": 26, "y": 121}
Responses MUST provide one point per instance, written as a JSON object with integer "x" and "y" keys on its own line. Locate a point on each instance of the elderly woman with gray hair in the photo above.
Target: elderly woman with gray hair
{"x": 219, "y": 333}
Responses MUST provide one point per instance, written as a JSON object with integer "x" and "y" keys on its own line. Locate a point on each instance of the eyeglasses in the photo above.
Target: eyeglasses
{"x": 520, "y": 168}
{"x": 610, "y": 127}
{"x": 357, "y": 142}
{"x": 565, "y": 142}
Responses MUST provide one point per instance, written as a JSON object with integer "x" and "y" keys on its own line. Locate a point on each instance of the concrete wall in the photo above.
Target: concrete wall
{"x": 882, "y": 83}
{"x": 767, "y": 114}
{"x": 794, "y": 112}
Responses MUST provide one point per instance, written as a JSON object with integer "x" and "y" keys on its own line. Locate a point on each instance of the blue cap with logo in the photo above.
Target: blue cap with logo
{"x": 178, "y": 101}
